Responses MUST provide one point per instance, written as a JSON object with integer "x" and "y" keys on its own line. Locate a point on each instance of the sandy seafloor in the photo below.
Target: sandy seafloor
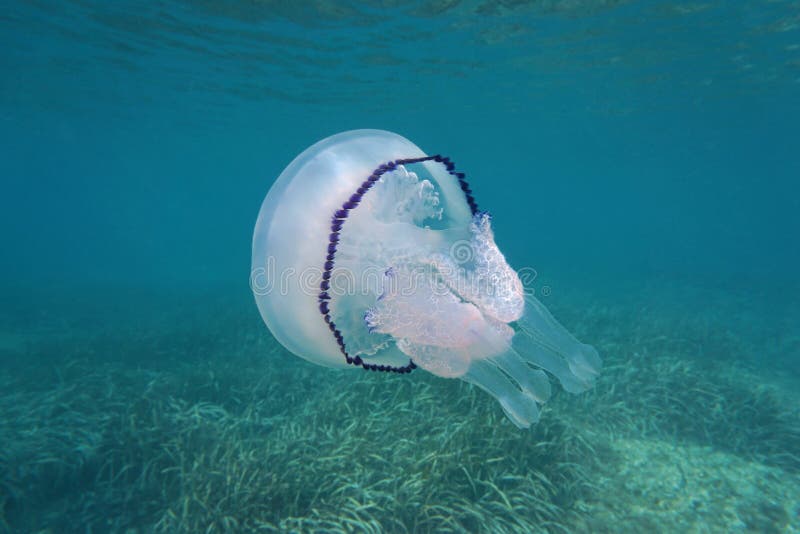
{"x": 193, "y": 419}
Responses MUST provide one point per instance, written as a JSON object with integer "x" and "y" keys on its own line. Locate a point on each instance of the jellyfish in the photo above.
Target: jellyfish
{"x": 368, "y": 253}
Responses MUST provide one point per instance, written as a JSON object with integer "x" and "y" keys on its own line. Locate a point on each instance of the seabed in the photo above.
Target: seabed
{"x": 193, "y": 419}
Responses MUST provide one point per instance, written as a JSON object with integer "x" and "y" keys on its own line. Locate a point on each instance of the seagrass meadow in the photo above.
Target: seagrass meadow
{"x": 201, "y": 422}
{"x": 638, "y": 162}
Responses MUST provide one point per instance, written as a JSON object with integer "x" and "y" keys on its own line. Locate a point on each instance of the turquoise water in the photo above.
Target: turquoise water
{"x": 642, "y": 157}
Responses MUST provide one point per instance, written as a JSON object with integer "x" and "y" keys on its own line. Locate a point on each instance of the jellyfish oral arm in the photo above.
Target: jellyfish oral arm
{"x": 440, "y": 332}
{"x": 471, "y": 320}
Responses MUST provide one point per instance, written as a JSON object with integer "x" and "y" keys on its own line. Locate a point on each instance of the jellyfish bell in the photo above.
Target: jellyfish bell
{"x": 369, "y": 253}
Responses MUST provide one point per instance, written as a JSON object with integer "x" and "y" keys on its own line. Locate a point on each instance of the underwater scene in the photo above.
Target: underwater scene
{"x": 400, "y": 266}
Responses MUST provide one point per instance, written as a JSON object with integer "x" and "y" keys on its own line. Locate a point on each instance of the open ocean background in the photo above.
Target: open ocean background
{"x": 642, "y": 156}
